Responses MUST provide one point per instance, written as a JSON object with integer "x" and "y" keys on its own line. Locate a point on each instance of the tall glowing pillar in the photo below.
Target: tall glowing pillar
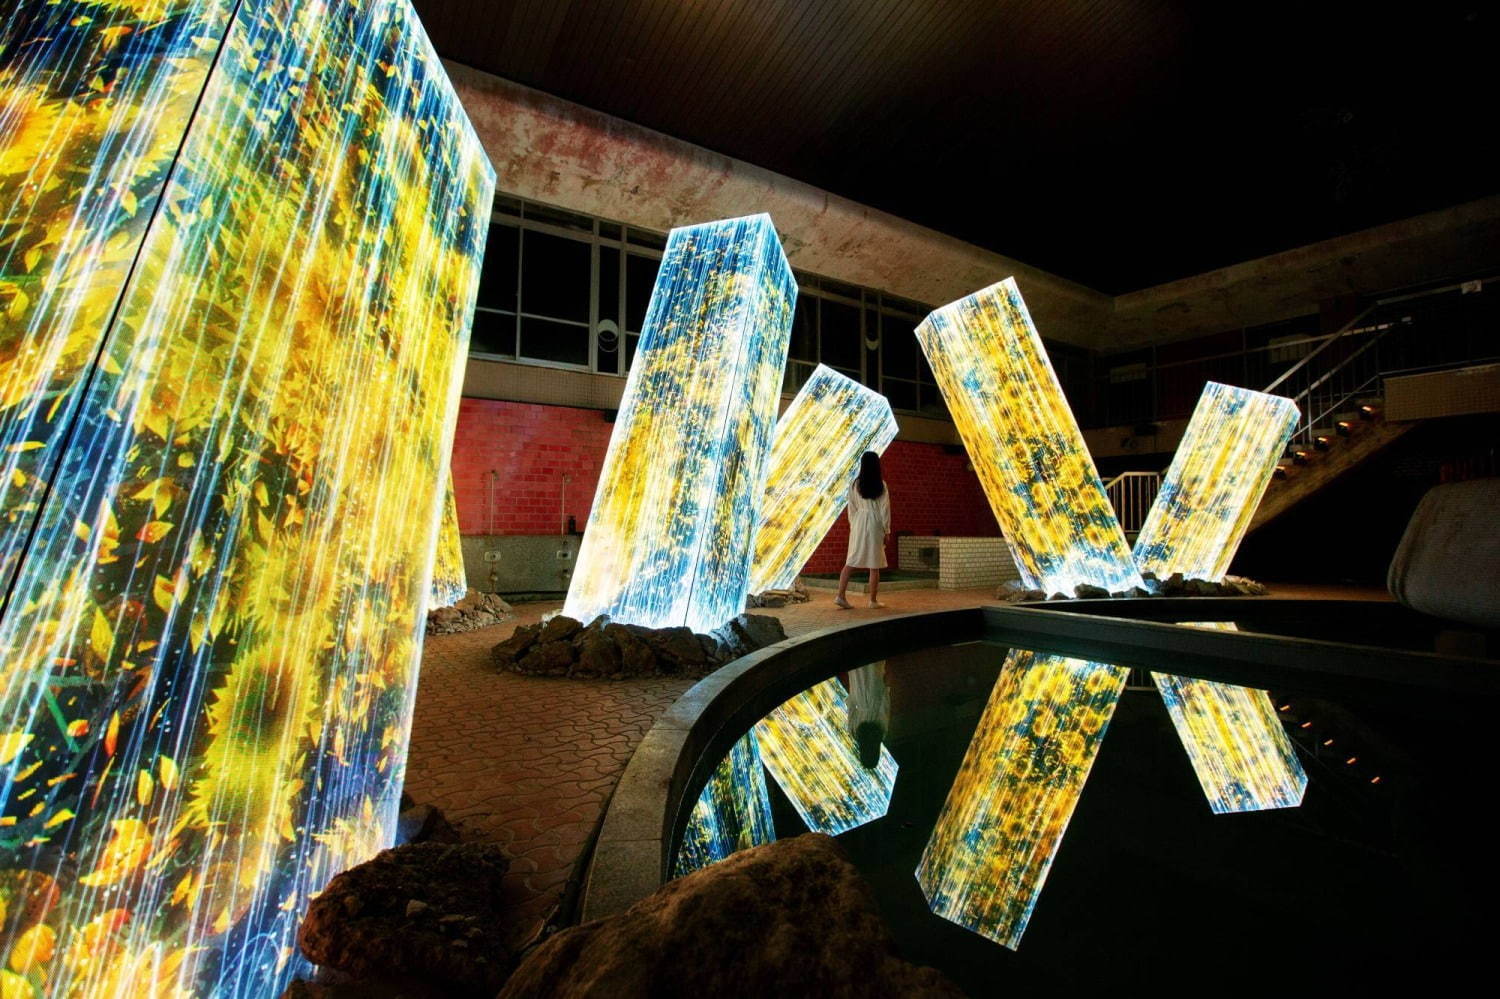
{"x": 808, "y": 748}
{"x": 732, "y": 813}
{"x": 814, "y": 457}
{"x": 240, "y": 248}
{"x": 1025, "y": 444}
{"x": 1239, "y": 750}
{"x": 671, "y": 532}
{"x": 1016, "y": 789}
{"x": 449, "y": 581}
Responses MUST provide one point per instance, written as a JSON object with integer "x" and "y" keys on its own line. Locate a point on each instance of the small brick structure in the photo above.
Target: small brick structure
{"x": 961, "y": 563}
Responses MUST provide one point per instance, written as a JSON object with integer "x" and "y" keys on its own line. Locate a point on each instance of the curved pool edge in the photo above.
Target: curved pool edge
{"x": 632, "y": 855}
{"x": 631, "y": 858}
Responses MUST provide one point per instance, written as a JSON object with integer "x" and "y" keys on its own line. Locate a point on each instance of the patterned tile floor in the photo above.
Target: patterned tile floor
{"x": 528, "y": 762}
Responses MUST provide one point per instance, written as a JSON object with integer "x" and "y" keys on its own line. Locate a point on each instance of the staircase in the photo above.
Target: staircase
{"x": 1338, "y": 387}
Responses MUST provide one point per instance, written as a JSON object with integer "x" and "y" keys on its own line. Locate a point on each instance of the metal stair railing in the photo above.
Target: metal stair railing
{"x": 1350, "y": 364}
{"x": 1131, "y": 494}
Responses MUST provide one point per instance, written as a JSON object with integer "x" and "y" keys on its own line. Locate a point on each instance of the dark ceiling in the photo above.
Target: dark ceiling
{"x": 1120, "y": 143}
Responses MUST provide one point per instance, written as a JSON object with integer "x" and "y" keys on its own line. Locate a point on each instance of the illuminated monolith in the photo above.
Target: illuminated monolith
{"x": 732, "y": 813}
{"x": 240, "y": 250}
{"x": 814, "y": 457}
{"x": 808, "y": 748}
{"x": 1024, "y": 443}
{"x": 449, "y": 581}
{"x": 1239, "y": 750}
{"x": 1016, "y": 789}
{"x": 670, "y": 534}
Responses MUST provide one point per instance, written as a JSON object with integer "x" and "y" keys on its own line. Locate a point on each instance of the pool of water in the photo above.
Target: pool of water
{"x": 1074, "y": 832}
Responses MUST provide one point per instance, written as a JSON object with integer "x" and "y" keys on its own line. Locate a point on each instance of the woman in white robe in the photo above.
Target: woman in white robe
{"x": 869, "y": 512}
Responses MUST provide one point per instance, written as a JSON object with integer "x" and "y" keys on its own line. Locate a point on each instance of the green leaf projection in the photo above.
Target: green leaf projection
{"x": 814, "y": 456}
{"x": 238, "y": 260}
{"x": 671, "y": 531}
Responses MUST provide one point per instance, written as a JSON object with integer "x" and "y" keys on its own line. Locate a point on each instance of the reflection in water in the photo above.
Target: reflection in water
{"x": 733, "y": 812}
{"x": 1015, "y": 791}
{"x": 1239, "y": 750}
{"x": 869, "y": 711}
{"x": 808, "y": 749}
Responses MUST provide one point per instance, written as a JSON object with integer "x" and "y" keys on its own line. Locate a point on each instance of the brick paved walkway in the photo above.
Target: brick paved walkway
{"x": 528, "y": 762}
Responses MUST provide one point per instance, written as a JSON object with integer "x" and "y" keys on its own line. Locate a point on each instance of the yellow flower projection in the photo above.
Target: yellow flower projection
{"x": 1020, "y": 779}
{"x": 732, "y": 813}
{"x": 1026, "y": 447}
{"x": 238, "y": 257}
{"x": 670, "y": 535}
{"x": 814, "y": 456}
{"x": 449, "y": 582}
{"x": 1042, "y": 485}
{"x": 1239, "y": 750}
{"x": 807, "y": 746}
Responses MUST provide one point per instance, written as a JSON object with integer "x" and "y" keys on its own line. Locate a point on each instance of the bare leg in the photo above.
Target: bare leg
{"x": 874, "y": 587}
{"x": 841, "y": 600}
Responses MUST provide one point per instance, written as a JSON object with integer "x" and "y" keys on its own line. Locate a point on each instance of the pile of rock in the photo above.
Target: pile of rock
{"x": 604, "y": 649}
{"x": 1174, "y": 585}
{"x": 779, "y": 598}
{"x": 425, "y": 914}
{"x": 791, "y": 918}
{"x": 476, "y": 610}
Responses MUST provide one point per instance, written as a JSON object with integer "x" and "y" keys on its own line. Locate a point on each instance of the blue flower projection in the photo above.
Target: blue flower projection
{"x": 670, "y": 535}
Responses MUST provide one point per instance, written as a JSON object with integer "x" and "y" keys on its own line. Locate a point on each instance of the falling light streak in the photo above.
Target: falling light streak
{"x": 808, "y": 748}
{"x": 670, "y": 534}
{"x": 814, "y": 456}
{"x": 1020, "y": 779}
{"x": 228, "y": 376}
{"x": 732, "y": 813}
{"x": 1025, "y": 445}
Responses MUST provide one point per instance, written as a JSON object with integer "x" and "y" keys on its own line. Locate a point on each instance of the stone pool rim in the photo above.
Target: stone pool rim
{"x": 632, "y": 855}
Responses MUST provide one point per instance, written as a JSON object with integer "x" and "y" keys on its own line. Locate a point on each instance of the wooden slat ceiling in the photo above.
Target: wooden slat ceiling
{"x": 1117, "y": 142}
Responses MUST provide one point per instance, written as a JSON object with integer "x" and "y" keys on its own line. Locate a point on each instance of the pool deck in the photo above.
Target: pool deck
{"x": 529, "y": 762}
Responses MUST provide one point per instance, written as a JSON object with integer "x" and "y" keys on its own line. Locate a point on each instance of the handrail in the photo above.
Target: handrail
{"x": 1131, "y": 494}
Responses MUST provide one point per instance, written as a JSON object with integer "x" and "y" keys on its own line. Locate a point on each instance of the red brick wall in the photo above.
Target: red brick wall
{"x": 932, "y": 492}
{"x": 530, "y": 448}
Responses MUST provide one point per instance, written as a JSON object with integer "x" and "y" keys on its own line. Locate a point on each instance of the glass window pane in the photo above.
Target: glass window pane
{"x": 898, "y": 347}
{"x": 804, "y": 342}
{"x": 796, "y": 375}
{"x": 640, "y": 237}
{"x": 640, "y": 276}
{"x": 902, "y": 395}
{"x": 932, "y": 403}
{"x": 630, "y": 341}
{"x": 494, "y": 333}
{"x": 609, "y": 284}
{"x": 544, "y": 340}
{"x": 840, "y": 335}
{"x": 554, "y": 276}
{"x": 497, "y": 273}
{"x": 609, "y": 230}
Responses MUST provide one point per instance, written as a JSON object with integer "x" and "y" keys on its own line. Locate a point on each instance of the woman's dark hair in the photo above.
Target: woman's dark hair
{"x": 871, "y": 485}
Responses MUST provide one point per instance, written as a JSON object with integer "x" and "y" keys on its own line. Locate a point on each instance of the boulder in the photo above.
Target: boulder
{"x": 559, "y": 629}
{"x": 758, "y": 630}
{"x": 1173, "y": 586}
{"x": 547, "y": 659}
{"x": 678, "y": 646}
{"x": 1088, "y": 591}
{"x": 597, "y": 655}
{"x": 636, "y": 657}
{"x": 429, "y": 911}
{"x": 790, "y": 918}
{"x": 514, "y": 647}
{"x": 424, "y": 824}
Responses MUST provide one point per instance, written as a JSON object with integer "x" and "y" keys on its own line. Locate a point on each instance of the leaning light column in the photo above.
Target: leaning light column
{"x": 1240, "y": 753}
{"x": 1004, "y": 817}
{"x": 814, "y": 456}
{"x": 670, "y": 533}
